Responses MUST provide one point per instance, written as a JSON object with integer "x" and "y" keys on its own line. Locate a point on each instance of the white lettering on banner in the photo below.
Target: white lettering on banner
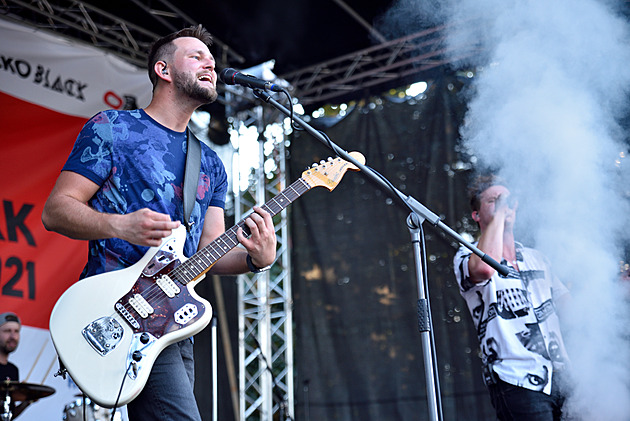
{"x": 41, "y": 76}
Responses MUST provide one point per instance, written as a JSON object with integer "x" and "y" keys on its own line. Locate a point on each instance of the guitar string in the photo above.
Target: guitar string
{"x": 182, "y": 274}
{"x": 155, "y": 292}
{"x": 155, "y": 295}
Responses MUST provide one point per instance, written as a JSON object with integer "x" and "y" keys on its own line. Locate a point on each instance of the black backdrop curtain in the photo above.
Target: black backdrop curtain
{"x": 358, "y": 351}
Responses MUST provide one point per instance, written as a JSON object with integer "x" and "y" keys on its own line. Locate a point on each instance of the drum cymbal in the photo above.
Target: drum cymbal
{"x": 21, "y": 392}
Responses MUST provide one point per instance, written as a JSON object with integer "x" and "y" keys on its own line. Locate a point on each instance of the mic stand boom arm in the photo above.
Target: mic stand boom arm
{"x": 408, "y": 201}
{"x": 419, "y": 213}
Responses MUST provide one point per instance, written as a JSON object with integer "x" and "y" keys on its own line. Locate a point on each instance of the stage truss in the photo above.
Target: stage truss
{"x": 331, "y": 81}
{"x": 264, "y": 307}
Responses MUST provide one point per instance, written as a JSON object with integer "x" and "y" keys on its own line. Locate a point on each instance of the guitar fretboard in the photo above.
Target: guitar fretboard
{"x": 201, "y": 261}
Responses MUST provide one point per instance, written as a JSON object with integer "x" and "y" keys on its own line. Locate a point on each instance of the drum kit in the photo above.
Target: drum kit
{"x": 82, "y": 409}
{"x": 13, "y": 391}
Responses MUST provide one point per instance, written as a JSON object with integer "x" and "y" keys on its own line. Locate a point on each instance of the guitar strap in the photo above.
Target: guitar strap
{"x": 191, "y": 176}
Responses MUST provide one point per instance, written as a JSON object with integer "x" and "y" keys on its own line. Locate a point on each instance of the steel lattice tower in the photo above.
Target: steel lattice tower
{"x": 264, "y": 302}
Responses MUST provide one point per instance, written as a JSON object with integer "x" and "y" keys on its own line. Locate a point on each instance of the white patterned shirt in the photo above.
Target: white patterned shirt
{"x": 516, "y": 320}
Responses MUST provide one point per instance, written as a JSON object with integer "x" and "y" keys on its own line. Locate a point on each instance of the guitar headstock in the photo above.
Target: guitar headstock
{"x": 330, "y": 172}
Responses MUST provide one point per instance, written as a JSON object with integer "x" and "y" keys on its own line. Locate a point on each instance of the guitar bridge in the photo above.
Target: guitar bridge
{"x": 103, "y": 334}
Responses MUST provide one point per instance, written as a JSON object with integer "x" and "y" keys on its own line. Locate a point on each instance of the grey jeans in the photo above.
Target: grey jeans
{"x": 168, "y": 394}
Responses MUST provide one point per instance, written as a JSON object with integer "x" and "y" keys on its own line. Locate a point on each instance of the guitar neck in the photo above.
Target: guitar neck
{"x": 204, "y": 259}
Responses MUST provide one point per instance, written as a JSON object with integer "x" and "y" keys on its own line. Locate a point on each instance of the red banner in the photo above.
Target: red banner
{"x": 49, "y": 87}
{"x": 36, "y": 266}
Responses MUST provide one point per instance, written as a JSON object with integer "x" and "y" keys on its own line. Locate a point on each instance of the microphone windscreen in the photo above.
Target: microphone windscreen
{"x": 227, "y": 76}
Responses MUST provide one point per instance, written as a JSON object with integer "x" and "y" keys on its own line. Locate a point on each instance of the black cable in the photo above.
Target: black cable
{"x": 290, "y": 101}
{"x": 122, "y": 384}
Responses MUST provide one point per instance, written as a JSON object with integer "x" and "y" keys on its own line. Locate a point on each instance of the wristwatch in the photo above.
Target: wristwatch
{"x": 253, "y": 268}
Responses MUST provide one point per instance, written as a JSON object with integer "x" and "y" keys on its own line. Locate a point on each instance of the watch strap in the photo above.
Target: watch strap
{"x": 253, "y": 268}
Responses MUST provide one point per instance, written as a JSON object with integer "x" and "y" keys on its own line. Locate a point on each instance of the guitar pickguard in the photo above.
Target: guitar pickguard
{"x": 157, "y": 303}
{"x": 165, "y": 255}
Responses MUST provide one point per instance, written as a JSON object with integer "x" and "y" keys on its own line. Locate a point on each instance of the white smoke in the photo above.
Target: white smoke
{"x": 554, "y": 81}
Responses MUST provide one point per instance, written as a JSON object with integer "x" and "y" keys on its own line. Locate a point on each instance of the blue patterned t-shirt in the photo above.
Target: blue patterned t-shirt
{"x": 138, "y": 163}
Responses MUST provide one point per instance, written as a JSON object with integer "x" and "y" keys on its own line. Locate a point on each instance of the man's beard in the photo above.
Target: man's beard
{"x": 7, "y": 349}
{"x": 194, "y": 90}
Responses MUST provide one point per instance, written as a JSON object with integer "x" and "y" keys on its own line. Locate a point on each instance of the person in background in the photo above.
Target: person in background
{"x": 121, "y": 189}
{"x": 10, "y": 327}
{"x": 9, "y": 341}
{"x": 523, "y": 353}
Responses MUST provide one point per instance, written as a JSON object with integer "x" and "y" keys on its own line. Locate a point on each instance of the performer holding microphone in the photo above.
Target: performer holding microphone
{"x": 523, "y": 353}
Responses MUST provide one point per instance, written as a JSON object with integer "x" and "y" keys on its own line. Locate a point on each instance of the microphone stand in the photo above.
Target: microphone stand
{"x": 419, "y": 213}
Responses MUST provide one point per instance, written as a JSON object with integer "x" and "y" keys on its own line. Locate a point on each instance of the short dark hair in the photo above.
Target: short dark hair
{"x": 163, "y": 48}
{"x": 480, "y": 184}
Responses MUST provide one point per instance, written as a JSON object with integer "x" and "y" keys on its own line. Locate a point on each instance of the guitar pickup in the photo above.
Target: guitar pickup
{"x": 167, "y": 285}
{"x": 141, "y": 305}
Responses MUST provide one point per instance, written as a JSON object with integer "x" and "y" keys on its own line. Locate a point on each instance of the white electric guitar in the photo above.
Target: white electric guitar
{"x": 108, "y": 329}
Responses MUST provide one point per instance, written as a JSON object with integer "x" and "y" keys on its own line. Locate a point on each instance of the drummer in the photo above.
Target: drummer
{"x": 9, "y": 339}
{"x": 10, "y": 326}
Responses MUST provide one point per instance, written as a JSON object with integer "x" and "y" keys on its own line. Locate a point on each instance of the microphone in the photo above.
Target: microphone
{"x": 234, "y": 77}
{"x": 509, "y": 201}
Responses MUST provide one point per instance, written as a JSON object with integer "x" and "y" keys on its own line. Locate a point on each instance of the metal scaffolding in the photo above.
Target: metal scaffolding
{"x": 326, "y": 82}
{"x": 265, "y": 302}
{"x": 84, "y": 22}
{"x": 384, "y": 64}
